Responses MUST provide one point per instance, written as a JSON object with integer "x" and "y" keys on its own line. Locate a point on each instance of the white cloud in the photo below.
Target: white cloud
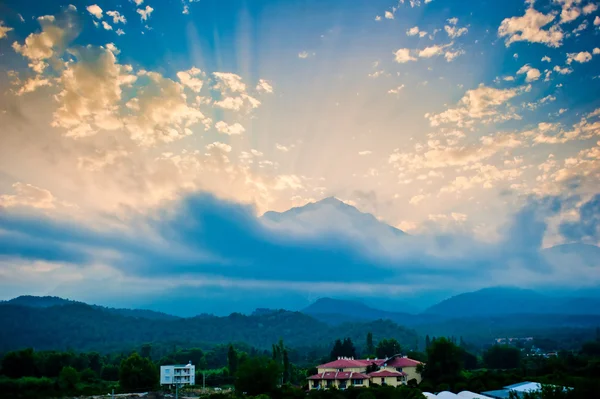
{"x": 367, "y": 152}
{"x": 452, "y": 30}
{"x": 138, "y": 2}
{"x": 403, "y": 55}
{"x": 479, "y": 103}
{"x": 531, "y": 74}
{"x": 117, "y": 18}
{"x": 227, "y": 81}
{"x": 3, "y": 30}
{"x": 145, "y": 13}
{"x": 233, "y": 129}
{"x": 451, "y": 55}
{"x": 596, "y": 51}
{"x": 396, "y": 90}
{"x": 378, "y": 18}
{"x": 529, "y": 28}
{"x": 597, "y": 20}
{"x": 580, "y": 57}
{"x": 32, "y": 84}
{"x": 160, "y": 112}
{"x": 570, "y": 11}
{"x": 192, "y": 79}
{"x": 219, "y": 146}
{"x": 263, "y": 86}
{"x": 106, "y": 26}
{"x": 546, "y": 59}
{"x": 113, "y": 49}
{"x": 508, "y": 78}
{"x": 28, "y": 195}
{"x": 413, "y": 31}
{"x": 120, "y": 32}
{"x": 589, "y": 8}
{"x": 95, "y": 10}
{"x": 281, "y": 148}
{"x": 389, "y": 15}
{"x": 39, "y": 47}
{"x": 303, "y": 54}
{"x": 562, "y": 71}
{"x": 417, "y": 199}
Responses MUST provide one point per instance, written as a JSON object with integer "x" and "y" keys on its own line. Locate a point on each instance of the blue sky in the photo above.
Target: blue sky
{"x": 441, "y": 118}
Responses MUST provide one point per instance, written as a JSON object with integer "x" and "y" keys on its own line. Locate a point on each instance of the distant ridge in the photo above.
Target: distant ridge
{"x": 51, "y": 301}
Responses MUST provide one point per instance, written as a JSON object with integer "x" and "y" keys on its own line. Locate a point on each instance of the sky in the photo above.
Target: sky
{"x": 141, "y": 142}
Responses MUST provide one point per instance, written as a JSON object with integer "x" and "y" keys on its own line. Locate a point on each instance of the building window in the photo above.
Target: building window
{"x": 357, "y": 382}
{"x": 329, "y": 382}
{"x": 167, "y": 379}
{"x": 399, "y": 369}
{"x": 167, "y": 371}
{"x": 340, "y": 370}
{"x": 400, "y": 379}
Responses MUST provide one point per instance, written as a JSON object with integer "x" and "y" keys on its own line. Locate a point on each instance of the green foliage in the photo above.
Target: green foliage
{"x": 342, "y": 349}
{"x": 387, "y": 348}
{"x": 232, "y": 360}
{"x": 369, "y": 347}
{"x": 257, "y": 375}
{"x": 19, "y": 364}
{"x": 444, "y": 362}
{"x": 68, "y": 379}
{"x": 138, "y": 374}
{"x": 502, "y": 357}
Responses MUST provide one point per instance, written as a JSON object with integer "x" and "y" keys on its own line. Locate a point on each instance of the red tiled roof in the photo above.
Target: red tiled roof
{"x": 402, "y": 362}
{"x": 386, "y": 373}
{"x": 343, "y": 363}
{"x": 339, "y": 375}
{"x": 395, "y": 361}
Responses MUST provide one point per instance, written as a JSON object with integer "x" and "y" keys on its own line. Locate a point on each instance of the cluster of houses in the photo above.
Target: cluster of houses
{"x": 345, "y": 372}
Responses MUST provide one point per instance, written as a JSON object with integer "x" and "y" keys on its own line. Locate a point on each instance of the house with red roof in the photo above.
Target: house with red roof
{"x": 345, "y": 372}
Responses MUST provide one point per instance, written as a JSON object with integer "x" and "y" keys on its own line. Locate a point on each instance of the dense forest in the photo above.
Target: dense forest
{"x": 449, "y": 365}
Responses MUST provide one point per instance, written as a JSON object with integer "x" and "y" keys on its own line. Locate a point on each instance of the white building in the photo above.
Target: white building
{"x": 179, "y": 374}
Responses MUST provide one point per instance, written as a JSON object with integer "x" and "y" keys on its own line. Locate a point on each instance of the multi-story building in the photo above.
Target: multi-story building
{"x": 181, "y": 374}
{"x": 346, "y": 372}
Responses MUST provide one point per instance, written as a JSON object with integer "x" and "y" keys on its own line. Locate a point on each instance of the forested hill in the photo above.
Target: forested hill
{"x": 48, "y": 301}
{"x": 82, "y": 327}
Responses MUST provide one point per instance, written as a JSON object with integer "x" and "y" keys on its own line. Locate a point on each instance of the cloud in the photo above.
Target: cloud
{"x": 233, "y": 129}
{"x": 587, "y": 228}
{"x": 40, "y": 47}
{"x": 531, "y": 74}
{"x": 229, "y": 82}
{"x": 138, "y": 2}
{"x": 580, "y": 57}
{"x": 529, "y": 28}
{"x": 365, "y": 152}
{"x": 479, "y": 103}
{"x": 203, "y": 239}
{"x": 120, "y": 32}
{"x": 597, "y": 20}
{"x": 417, "y": 199}
{"x": 192, "y": 79}
{"x": 596, "y": 51}
{"x": 589, "y": 8}
{"x": 453, "y": 31}
{"x": 95, "y": 10}
{"x": 378, "y": 18}
{"x": 263, "y": 86}
{"x": 396, "y": 90}
{"x": 33, "y": 84}
{"x": 403, "y": 55}
{"x": 90, "y": 92}
{"x": 389, "y": 15}
{"x": 145, "y": 13}
{"x": 570, "y": 11}
{"x": 106, "y": 26}
{"x": 303, "y": 54}
{"x": 28, "y": 195}
{"x": 546, "y": 59}
{"x": 220, "y": 146}
{"x": 562, "y": 71}
{"x": 4, "y": 30}
{"x": 281, "y": 148}
{"x": 117, "y": 17}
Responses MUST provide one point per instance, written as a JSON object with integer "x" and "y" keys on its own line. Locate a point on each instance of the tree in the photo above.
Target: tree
{"x": 257, "y": 375}
{"x": 387, "y": 348}
{"x": 109, "y": 372}
{"x": 232, "y": 360}
{"x": 370, "y": 347}
{"x": 444, "y": 362}
{"x": 348, "y": 348}
{"x": 427, "y": 342}
{"x": 137, "y": 374}
{"x": 68, "y": 378}
{"x": 145, "y": 351}
{"x": 502, "y": 357}
{"x": 286, "y": 367}
{"x": 19, "y": 364}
